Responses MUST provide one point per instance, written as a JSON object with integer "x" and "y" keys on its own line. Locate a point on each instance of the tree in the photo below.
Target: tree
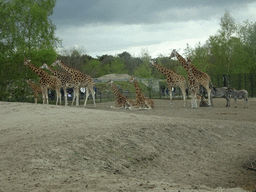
{"x": 25, "y": 31}
{"x": 247, "y": 34}
{"x": 222, "y": 46}
{"x": 200, "y": 56}
{"x": 144, "y": 70}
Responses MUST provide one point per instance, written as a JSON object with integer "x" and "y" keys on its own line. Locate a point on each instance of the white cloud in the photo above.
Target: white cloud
{"x": 157, "y": 38}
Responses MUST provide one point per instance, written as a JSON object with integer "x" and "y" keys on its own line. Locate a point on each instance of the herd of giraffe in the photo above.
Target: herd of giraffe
{"x": 76, "y": 79}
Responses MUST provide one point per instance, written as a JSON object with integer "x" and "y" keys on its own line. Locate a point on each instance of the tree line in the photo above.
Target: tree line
{"x": 26, "y": 31}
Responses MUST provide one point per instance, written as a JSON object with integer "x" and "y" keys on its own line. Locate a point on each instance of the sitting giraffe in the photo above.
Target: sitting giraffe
{"x": 37, "y": 90}
{"x": 173, "y": 80}
{"x": 121, "y": 100}
{"x": 202, "y": 77}
{"x": 141, "y": 101}
{"x": 65, "y": 78}
{"x": 47, "y": 82}
{"x": 80, "y": 80}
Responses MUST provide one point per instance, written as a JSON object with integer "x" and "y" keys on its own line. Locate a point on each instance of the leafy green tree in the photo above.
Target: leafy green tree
{"x": 247, "y": 34}
{"x": 144, "y": 70}
{"x": 200, "y": 57}
{"x": 118, "y": 66}
{"x": 221, "y": 44}
{"x": 26, "y": 31}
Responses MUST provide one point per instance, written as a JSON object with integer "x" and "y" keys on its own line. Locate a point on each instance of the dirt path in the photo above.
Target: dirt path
{"x": 59, "y": 148}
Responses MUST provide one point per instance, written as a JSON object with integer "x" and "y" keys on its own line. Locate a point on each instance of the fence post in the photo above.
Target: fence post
{"x": 239, "y": 80}
{"x": 244, "y": 81}
{"x": 218, "y": 80}
{"x": 252, "y": 89}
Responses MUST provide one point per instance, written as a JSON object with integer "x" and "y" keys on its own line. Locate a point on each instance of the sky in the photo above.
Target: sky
{"x": 99, "y": 27}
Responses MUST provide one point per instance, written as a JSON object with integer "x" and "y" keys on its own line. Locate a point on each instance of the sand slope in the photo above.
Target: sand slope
{"x": 57, "y": 148}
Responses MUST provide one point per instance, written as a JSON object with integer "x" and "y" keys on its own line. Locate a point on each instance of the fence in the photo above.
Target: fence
{"x": 157, "y": 89}
{"x": 237, "y": 81}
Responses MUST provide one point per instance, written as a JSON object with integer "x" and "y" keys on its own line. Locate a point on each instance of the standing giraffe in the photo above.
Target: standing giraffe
{"x": 202, "y": 77}
{"x": 193, "y": 85}
{"x": 65, "y": 78}
{"x": 37, "y": 90}
{"x": 121, "y": 100}
{"x": 80, "y": 80}
{"x": 173, "y": 80}
{"x": 141, "y": 101}
{"x": 47, "y": 82}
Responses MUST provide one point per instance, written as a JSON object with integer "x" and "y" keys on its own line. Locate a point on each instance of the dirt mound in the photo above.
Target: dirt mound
{"x": 59, "y": 148}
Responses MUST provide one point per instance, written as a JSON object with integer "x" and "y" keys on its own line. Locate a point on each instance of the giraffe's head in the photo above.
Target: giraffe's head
{"x": 56, "y": 62}
{"x": 173, "y": 54}
{"x": 132, "y": 79}
{"x": 30, "y": 81}
{"x": 189, "y": 61}
{"x": 110, "y": 82}
{"x": 44, "y": 66}
{"x": 26, "y": 61}
{"x": 152, "y": 62}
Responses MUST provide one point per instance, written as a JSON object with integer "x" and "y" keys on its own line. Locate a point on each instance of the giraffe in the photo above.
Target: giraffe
{"x": 46, "y": 81}
{"x": 35, "y": 88}
{"x": 80, "y": 80}
{"x": 65, "y": 78}
{"x": 203, "y": 78}
{"x": 121, "y": 100}
{"x": 141, "y": 101}
{"x": 193, "y": 85}
{"x": 173, "y": 80}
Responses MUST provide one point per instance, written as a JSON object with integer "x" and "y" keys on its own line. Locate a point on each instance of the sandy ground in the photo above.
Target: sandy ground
{"x": 57, "y": 148}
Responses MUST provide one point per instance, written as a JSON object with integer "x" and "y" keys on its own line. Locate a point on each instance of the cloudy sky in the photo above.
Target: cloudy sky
{"x": 101, "y": 27}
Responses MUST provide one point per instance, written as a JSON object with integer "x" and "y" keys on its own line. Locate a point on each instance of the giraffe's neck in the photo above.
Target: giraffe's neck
{"x": 51, "y": 70}
{"x": 115, "y": 89}
{"x": 30, "y": 83}
{"x": 162, "y": 69}
{"x": 190, "y": 72}
{"x": 41, "y": 73}
{"x": 182, "y": 61}
{"x": 137, "y": 88}
{"x": 67, "y": 68}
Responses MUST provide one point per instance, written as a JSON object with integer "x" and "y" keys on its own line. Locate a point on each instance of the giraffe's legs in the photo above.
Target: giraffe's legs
{"x": 206, "y": 86}
{"x": 149, "y": 107}
{"x": 193, "y": 99}
{"x": 46, "y": 95}
{"x": 35, "y": 98}
{"x": 58, "y": 96}
{"x": 183, "y": 90}
{"x": 196, "y": 101}
{"x": 93, "y": 96}
{"x": 87, "y": 95}
{"x": 43, "y": 94}
{"x": 209, "y": 96}
{"x": 170, "y": 91}
{"x": 76, "y": 95}
{"x": 65, "y": 96}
